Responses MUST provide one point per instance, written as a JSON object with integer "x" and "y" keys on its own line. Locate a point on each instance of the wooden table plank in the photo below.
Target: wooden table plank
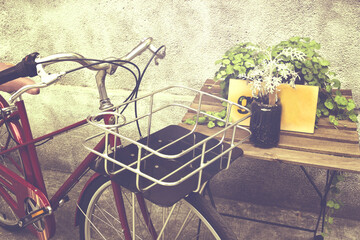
{"x": 297, "y": 143}
{"x": 293, "y": 156}
{"x": 330, "y": 134}
{"x": 328, "y": 147}
{"x": 302, "y": 158}
{"x": 319, "y": 146}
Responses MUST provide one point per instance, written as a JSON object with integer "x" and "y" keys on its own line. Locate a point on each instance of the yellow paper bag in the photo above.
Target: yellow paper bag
{"x": 299, "y": 105}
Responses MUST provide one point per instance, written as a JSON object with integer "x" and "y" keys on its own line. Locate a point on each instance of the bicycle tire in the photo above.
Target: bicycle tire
{"x": 10, "y": 135}
{"x": 202, "y": 215}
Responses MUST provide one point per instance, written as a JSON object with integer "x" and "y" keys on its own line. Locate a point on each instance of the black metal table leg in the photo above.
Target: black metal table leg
{"x": 323, "y": 197}
{"x": 330, "y": 174}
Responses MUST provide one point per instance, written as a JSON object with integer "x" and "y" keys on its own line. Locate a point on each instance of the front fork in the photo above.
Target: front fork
{"x": 114, "y": 142}
{"x": 122, "y": 214}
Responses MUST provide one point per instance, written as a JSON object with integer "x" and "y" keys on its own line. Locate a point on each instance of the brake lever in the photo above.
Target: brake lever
{"x": 48, "y": 78}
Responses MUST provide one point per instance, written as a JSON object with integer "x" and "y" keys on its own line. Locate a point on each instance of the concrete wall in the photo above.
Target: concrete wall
{"x": 196, "y": 33}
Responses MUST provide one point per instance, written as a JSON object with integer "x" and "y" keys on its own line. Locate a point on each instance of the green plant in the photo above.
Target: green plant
{"x": 312, "y": 70}
{"x": 333, "y": 203}
{"x": 210, "y": 118}
{"x": 268, "y": 74}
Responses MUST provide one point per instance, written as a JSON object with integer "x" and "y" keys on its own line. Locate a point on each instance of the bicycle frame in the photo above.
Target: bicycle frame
{"x": 33, "y": 185}
{"x": 34, "y": 175}
{"x": 32, "y": 169}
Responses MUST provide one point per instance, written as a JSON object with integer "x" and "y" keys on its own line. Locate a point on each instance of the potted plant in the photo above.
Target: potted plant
{"x": 313, "y": 70}
{"x": 265, "y": 77}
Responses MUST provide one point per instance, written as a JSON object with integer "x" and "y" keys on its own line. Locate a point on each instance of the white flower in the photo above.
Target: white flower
{"x": 271, "y": 72}
{"x": 293, "y": 54}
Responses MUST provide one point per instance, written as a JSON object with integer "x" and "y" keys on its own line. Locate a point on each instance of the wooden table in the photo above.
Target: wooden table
{"x": 329, "y": 148}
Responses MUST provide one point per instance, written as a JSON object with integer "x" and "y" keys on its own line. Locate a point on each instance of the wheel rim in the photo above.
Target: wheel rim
{"x": 181, "y": 221}
{"x": 12, "y": 161}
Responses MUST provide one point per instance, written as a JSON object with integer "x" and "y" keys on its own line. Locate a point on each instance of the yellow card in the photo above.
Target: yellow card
{"x": 299, "y": 105}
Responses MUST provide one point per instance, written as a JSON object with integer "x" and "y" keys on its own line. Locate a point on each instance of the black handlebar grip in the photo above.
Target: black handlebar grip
{"x": 25, "y": 68}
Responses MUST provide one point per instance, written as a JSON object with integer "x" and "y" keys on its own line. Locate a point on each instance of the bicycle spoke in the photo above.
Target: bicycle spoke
{"x": 107, "y": 221}
{"x": 183, "y": 225}
{"x": 90, "y": 222}
{"x": 180, "y": 221}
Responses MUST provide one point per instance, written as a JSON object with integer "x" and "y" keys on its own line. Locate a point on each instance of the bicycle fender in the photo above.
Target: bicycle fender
{"x": 77, "y": 211}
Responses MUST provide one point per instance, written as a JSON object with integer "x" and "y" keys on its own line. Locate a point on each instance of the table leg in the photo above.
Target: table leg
{"x": 330, "y": 174}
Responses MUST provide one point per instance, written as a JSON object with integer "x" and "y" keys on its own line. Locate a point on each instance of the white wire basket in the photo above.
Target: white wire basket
{"x": 170, "y": 161}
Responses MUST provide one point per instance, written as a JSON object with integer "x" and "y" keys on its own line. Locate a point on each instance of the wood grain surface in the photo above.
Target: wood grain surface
{"x": 328, "y": 147}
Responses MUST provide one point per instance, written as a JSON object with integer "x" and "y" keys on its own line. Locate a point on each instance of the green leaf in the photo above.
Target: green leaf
{"x": 351, "y": 105}
{"x": 218, "y": 61}
{"x": 308, "y": 77}
{"x": 222, "y": 114}
{"x": 241, "y": 69}
{"x": 328, "y": 88}
{"x": 315, "y": 59}
{"x": 318, "y": 113}
{"x": 341, "y": 100}
{"x": 220, "y": 123}
{"x": 324, "y": 62}
{"x": 313, "y": 83}
{"x": 298, "y": 64}
{"x": 324, "y": 70}
{"x": 336, "y": 206}
{"x": 212, "y": 114}
{"x": 308, "y": 64}
{"x": 189, "y": 121}
{"x": 325, "y": 111}
{"x": 218, "y": 76}
{"x": 226, "y": 61}
{"x": 336, "y": 83}
{"x": 333, "y": 120}
{"x": 211, "y": 124}
{"x": 229, "y": 70}
{"x": 353, "y": 117}
{"x": 202, "y": 120}
{"x": 249, "y": 63}
{"x": 310, "y": 54}
{"x": 305, "y": 70}
{"x": 294, "y": 39}
{"x": 329, "y": 104}
{"x": 330, "y": 220}
{"x": 330, "y": 203}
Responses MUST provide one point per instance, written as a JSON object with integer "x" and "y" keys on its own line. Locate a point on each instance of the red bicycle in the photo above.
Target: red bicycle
{"x": 141, "y": 189}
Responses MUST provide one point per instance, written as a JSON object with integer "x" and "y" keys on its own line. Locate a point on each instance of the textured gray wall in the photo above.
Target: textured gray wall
{"x": 196, "y": 33}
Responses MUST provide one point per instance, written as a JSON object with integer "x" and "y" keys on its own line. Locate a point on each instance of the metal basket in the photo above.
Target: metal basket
{"x": 170, "y": 160}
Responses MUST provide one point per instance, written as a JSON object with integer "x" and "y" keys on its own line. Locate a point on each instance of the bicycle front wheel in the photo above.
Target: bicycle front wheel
{"x": 191, "y": 218}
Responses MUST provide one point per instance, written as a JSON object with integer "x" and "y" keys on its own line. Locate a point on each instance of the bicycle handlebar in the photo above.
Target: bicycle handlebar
{"x": 25, "y": 68}
{"x": 31, "y": 66}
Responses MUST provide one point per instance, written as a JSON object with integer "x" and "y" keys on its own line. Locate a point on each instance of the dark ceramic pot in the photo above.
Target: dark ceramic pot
{"x": 265, "y": 124}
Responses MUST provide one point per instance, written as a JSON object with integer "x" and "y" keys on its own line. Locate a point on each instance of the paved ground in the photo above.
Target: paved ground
{"x": 246, "y": 230}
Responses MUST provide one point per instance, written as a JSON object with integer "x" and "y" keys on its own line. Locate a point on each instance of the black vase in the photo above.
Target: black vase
{"x": 265, "y": 124}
